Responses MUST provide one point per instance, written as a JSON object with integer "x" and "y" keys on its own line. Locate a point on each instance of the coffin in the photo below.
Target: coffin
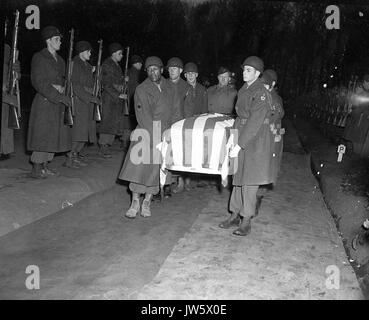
{"x": 198, "y": 144}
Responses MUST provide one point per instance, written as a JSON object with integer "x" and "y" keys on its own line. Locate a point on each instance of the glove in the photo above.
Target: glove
{"x": 16, "y": 67}
{"x": 65, "y": 100}
{"x": 95, "y": 100}
{"x": 234, "y": 151}
{"x": 159, "y": 145}
{"x": 123, "y": 96}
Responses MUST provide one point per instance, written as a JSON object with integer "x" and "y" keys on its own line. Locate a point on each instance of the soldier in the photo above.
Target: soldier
{"x": 276, "y": 118}
{"x": 134, "y": 79}
{"x": 221, "y": 97}
{"x": 196, "y": 101}
{"x": 153, "y": 99}
{"x": 195, "y": 104}
{"x": 7, "y": 134}
{"x": 84, "y": 127}
{"x": 253, "y": 148}
{"x": 47, "y": 133}
{"x": 112, "y": 99}
{"x": 179, "y": 87}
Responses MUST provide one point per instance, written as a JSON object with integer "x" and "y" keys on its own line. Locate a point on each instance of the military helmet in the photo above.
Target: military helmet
{"x": 190, "y": 67}
{"x": 153, "y": 61}
{"x": 82, "y": 46}
{"x": 223, "y": 70}
{"x": 114, "y": 47}
{"x": 136, "y": 59}
{"x": 49, "y": 32}
{"x": 266, "y": 78}
{"x": 272, "y": 74}
{"x": 175, "y": 62}
{"x": 254, "y": 62}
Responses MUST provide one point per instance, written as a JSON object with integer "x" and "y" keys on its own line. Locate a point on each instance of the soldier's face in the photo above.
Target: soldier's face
{"x": 55, "y": 42}
{"x": 191, "y": 77}
{"x": 174, "y": 73}
{"x": 250, "y": 74}
{"x": 118, "y": 55}
{"x": 154, "y": 73}
{"x": 85, "y": 55}
{"x": 138, "y": 65}
{"x": 223, "y": 79}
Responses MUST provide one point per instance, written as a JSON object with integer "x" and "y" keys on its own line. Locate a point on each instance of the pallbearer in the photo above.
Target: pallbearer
{"x": 47, "y": 133}
{"x": 252, "y": 149}
{"x": 221, "y": 97}
{"x": 141, "y": 167}
{"x": 84, "y": 127}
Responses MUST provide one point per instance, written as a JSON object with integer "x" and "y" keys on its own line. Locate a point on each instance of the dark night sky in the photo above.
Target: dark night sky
{"x": 290, "y": 36}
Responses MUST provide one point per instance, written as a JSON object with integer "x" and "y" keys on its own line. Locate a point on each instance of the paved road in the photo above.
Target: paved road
{"x": 89, "y": 251}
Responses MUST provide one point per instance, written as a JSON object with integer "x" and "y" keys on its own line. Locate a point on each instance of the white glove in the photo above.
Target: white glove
{"x": 159, "y": 145}
{"x": 234, "y": 151}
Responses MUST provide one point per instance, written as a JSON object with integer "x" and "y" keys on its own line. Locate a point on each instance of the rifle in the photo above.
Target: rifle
{"x": 69, "y": 110}
{"x": 125, "y": 85}
{"x": 97, "y": 84}
{"x": 13, "y": 85}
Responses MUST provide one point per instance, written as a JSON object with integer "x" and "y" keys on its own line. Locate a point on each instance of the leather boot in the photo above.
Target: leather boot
{"x": 244, "y": 229}
{"x": 77, "y": 160}
{"x": 145, "y": 207}
{"x": 49, "y": 171}
{"x": 37, "y": 171}
{"x": 258, "y": 204}
{"x": 135, "y": 206}
{"x": 103, "y": 151}
{"x": 69, "y": 163}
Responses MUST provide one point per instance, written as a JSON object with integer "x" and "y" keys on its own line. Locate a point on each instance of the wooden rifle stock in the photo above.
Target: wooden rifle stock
{"x": 125, "y": 86}
{"x": 69, "y": 110}
{"x": 13, "y": 84}
{"x": 97, "y": 84}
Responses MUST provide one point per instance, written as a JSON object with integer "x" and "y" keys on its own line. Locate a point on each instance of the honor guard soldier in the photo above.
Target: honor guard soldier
{"x": 134, "y": 79}
{"x": 221, "y": 97}
{"x": 84, "y": 127}
{"x": 153, "y": 105}
{"x": 112, "y": 99}
{"x": 47, "y": 133}
{"x": 252, "y": 150}
{"x": 7, "y": 134}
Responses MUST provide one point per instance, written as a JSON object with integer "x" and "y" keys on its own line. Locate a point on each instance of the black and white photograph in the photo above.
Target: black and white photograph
{"x": 184, "y": 155}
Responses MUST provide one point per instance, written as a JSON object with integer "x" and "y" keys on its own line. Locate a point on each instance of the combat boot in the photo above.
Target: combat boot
{"x": 145, "y": 207}
{"x": 103, "y": 152}
{"x": 37, "y": 171}
{"x": 77, "y": 160}
{"x": 70, "y": 163}
{"x": 134, "y": 208}
{"x": 48, "y": 171}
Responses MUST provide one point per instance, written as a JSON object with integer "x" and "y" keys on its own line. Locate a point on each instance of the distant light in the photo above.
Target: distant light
{"x": 331, "y": 75}
{"x": 325, "y": 85}
{"x": 361, "y": 14}
{"x": 336, "y": 67}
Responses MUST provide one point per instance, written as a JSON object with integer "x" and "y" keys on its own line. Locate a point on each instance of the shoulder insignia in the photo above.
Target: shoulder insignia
{"x": 262, "y": 97}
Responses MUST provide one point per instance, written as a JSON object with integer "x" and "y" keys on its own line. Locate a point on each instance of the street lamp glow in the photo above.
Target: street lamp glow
{"x": 325, "y": 85}
{"x": 331, "y": 76}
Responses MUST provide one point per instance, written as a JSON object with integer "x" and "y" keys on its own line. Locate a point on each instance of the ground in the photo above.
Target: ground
{"x": 90, "y": 251}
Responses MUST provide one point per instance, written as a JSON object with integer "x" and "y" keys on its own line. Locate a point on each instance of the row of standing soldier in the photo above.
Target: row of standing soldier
{"x": 66, "y": 110}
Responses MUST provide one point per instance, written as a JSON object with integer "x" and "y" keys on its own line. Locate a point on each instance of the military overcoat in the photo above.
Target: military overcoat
{"x": 84, "y": 127}
{"x": 151, "y": 104}
{"x": 196, "y": 101}
{"x": 46, "y": 129}
{"x": 254, "y": 110}
{"x": 278, "y": 132}
{"x": 221, "y": 99}
{"x": 112, "y": 105}
{"x": 179, "y": 91}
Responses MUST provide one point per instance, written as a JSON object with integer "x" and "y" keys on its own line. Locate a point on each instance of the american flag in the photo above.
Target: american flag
{"x": 198, "y": 144}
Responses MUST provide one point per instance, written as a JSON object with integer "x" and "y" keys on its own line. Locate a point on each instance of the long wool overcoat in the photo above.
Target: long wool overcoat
{"x": 254, "y": 111}
{"x": 84, "y": 127}
{"x": 151, "y": 104}
{"x": 112, "y": 105}
{"x": 46, "y": 130}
